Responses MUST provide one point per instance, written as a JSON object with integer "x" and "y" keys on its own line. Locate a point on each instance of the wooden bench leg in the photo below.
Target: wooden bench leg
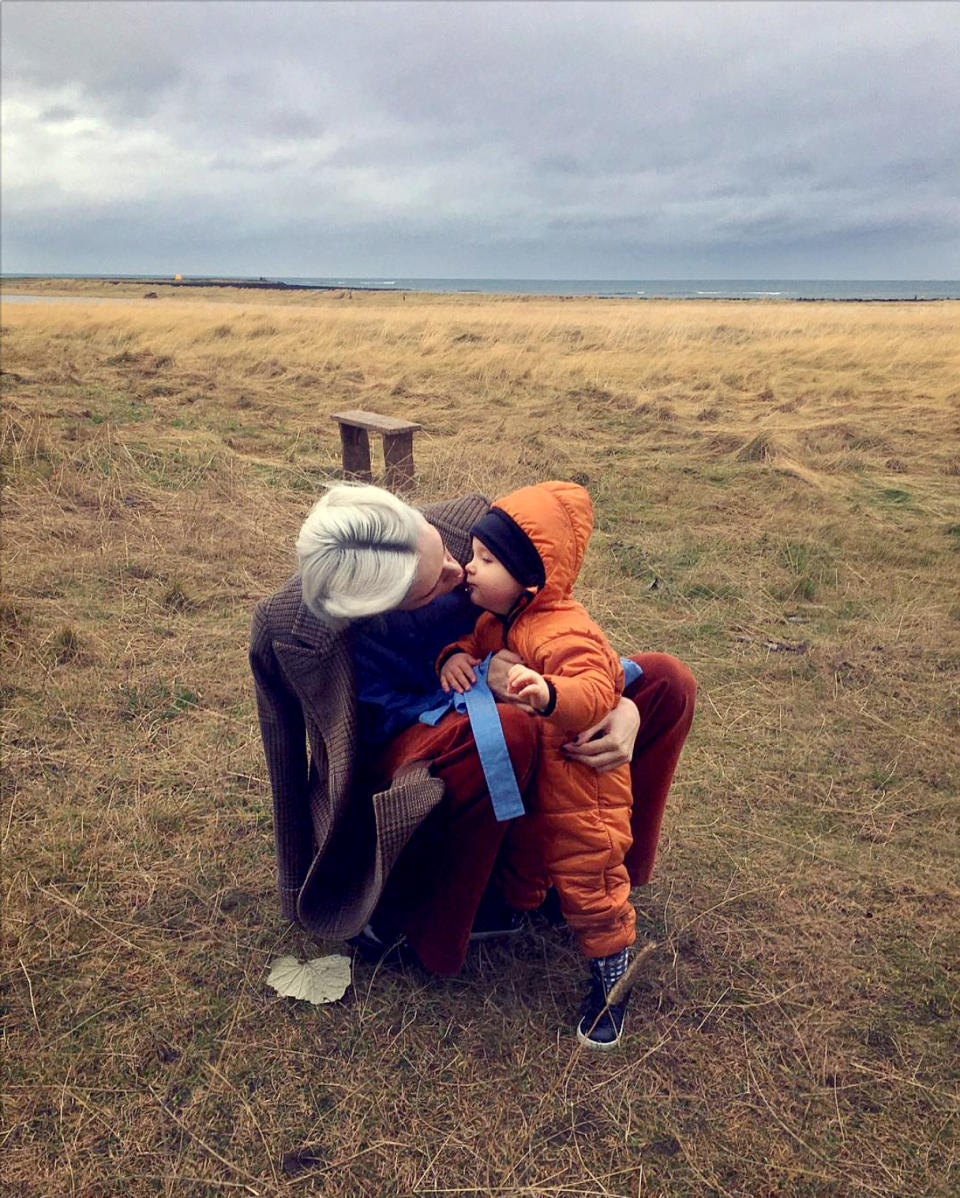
{"x": 355, "y": 445}
{"x": 398, "y": 459}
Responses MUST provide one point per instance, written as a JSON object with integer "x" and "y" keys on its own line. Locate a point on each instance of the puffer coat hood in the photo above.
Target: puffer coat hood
{"x": 558, "y": 519}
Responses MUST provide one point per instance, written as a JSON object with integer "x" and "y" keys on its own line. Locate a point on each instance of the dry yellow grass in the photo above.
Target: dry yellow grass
{"x": 778, "y": 501}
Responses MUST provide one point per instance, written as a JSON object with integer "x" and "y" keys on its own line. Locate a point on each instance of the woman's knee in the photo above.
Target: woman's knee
{"x": 672, "y": 682}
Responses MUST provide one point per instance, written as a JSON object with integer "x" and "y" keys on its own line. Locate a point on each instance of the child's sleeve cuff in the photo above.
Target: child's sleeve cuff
{"x": 446, "y": 654}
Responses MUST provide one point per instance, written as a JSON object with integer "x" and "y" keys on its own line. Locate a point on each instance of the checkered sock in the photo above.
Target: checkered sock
{"x": 613, "y": 968}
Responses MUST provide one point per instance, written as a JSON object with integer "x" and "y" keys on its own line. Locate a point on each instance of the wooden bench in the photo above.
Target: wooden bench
{"x": 397, "y": 445}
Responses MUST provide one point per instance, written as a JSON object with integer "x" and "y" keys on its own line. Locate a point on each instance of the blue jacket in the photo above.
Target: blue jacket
{"x": 393, "y": 658}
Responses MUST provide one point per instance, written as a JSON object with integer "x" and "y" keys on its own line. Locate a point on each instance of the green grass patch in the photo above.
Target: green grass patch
{"x": 895, "y": 496}
{"x": 712, "y": 590}
{"x": 155, "y": 700}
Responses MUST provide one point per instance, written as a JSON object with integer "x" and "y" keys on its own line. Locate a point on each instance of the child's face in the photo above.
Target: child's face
{"x": 490, "y": 584}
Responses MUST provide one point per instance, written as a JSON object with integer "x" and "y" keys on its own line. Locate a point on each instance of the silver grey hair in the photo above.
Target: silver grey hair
{"x": 358, "y": 551}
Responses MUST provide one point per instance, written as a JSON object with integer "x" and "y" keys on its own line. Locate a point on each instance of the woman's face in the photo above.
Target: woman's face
{"x": 437, "y": 571}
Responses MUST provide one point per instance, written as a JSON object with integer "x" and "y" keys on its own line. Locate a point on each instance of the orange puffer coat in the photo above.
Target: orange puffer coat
{"x": 578, "y": 831}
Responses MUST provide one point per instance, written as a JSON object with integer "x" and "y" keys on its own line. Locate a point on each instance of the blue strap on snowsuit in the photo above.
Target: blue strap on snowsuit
{"x": 480, "y": 706}
{"x": 631, "y": 672}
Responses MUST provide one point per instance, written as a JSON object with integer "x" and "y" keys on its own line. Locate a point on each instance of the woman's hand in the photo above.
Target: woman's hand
{"x": 457, "y": 674}
{"x": 498, "y": 673}
{"x": 615, "y": 737}
{"x": 499, "y": 668}
{"x": 528, "y": 686}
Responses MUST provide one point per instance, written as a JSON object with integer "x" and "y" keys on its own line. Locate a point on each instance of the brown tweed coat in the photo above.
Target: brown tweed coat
{"x": 335, "y": 848}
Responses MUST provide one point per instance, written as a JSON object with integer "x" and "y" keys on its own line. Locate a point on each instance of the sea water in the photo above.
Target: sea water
{"x": 769, "y": 289}
{"x": 737, "y": 289}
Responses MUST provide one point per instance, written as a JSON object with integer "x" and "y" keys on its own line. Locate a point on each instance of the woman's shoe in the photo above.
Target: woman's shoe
{"x": 382, "y": 952}
{"x": 495, "y": 918}
{"x": 550, "y": 909}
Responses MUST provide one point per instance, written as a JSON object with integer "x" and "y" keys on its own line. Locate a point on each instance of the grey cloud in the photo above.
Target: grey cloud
{"x": 57, "y": 114}
{"x": 460, "y": 133}
{"x": 291, "y": 124}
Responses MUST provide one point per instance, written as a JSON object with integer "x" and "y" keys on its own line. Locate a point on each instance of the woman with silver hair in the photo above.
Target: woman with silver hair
{"x": 383, "y": 825}
{"x": 360, "y": 549}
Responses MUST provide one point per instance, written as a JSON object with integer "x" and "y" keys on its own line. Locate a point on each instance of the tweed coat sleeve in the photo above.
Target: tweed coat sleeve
{"x": 283, "y": 731}
{"x": 453, "y": 519}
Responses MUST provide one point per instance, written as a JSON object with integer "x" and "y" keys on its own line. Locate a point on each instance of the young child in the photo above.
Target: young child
{"x": 527, "y": 553}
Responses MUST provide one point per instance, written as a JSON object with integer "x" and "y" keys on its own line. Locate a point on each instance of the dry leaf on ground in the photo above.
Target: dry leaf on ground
{"x": 322, "y": 980}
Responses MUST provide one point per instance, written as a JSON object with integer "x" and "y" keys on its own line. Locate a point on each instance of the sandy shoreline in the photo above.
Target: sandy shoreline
{"x": 268, "y": 285}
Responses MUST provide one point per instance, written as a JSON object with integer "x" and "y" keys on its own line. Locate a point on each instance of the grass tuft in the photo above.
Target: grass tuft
{"x": 761, "y": 448}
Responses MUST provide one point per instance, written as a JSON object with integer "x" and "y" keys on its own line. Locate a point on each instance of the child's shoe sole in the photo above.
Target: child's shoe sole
{"x": 598, "y": 1045}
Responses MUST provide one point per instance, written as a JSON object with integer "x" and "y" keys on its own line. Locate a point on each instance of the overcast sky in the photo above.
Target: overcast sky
{"x": 501, "y": 140}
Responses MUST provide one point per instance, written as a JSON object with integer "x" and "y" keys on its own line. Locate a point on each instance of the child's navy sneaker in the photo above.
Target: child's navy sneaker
{"x": 601, "y": 1022}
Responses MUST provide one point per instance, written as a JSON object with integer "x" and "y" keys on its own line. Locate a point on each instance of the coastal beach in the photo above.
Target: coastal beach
{"x": 777, "y": 490}
{"x": 805, "y": 290}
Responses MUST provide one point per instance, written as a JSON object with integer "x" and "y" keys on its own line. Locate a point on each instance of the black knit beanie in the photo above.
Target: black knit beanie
{"x": 507, "y": 541}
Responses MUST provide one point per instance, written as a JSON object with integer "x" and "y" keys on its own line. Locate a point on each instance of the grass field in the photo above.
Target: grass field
{"x": 777, "y": 490}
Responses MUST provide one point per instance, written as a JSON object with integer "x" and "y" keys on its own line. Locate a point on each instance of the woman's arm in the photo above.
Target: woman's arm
{"x": 609, "y": 743}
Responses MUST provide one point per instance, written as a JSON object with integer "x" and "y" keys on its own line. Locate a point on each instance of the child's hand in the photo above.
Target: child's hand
{"x": 529, "y": 686}
{"x": 457, "y": 674}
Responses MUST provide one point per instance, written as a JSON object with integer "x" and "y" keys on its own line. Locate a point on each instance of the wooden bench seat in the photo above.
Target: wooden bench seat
{"x": 397, "y": 445}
